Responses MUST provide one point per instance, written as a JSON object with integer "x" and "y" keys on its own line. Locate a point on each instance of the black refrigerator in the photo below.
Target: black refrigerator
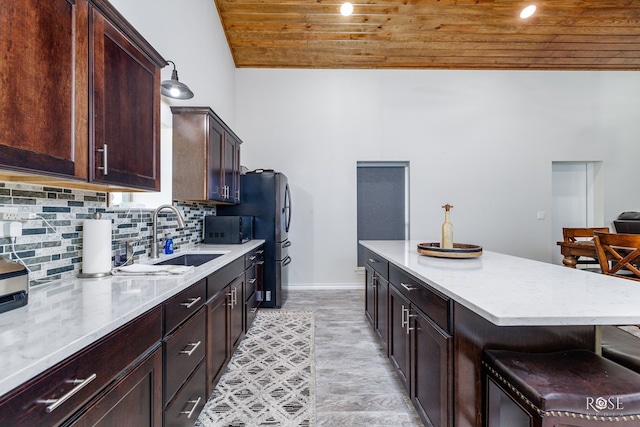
{"x": 266, "y": 197}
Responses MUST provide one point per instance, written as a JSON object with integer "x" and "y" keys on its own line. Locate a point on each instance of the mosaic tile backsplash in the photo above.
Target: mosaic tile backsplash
{"x": 51, "y": 244}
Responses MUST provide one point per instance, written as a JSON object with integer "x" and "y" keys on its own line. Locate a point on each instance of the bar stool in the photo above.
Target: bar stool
{"x": 575, "y": 388}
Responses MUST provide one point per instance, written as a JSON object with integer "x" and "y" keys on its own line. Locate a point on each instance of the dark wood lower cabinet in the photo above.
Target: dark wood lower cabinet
{"x": 421, "y": 353}
{"x": 382, "y": 311}
{"x": 236, "y": 315}
{"x": 217, "y": 343}
{"x": 134, "y": 400}
{"x": 184, "y": 409}
{"x": 398, "y": 335}
{"x": 431, "y": 362}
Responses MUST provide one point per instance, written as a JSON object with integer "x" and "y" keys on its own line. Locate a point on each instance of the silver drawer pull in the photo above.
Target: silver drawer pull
{"x": 252, "y": 281}
{"x": 254, "y": 309}
{"x": 193, "y": 348}
{"x": 55, "y": 403}
{"x": 195, "y": 405}
{"x": 253, "y": 258}
{"x": 191, "y": 302}
{"x": 373, "y": 261}
{"x": 407, "y": 287}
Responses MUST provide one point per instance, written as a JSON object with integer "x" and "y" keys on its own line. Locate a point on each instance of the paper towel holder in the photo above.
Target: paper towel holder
{"x": 81, "y": 275}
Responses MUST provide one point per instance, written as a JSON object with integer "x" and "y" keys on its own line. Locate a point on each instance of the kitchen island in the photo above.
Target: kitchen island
{"x": 495, "y": 301}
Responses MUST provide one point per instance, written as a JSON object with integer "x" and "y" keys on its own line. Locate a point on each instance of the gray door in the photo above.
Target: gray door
{"x": 382, "y": 202}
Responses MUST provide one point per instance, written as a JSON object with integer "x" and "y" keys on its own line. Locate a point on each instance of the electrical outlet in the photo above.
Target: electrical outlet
{"x": 17, "y": 216}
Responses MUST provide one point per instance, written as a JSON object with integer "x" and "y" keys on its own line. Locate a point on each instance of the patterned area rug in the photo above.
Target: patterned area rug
{"x": 270, "y": 380}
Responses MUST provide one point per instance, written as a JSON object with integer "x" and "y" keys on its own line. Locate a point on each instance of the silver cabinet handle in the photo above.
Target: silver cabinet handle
{"x": 252, "y": 281}
{"x": 190, "y": 302}
{"x": 234, "y": 296}
{"x": 408, "y": 322}
{"x": 254, "y": 309}
{"x": 404, "y": 310}
{"x": 55, "y": 403}
{"x": 193, "y": 345}
{"x": 230, "y": 295}
{"x": 407, "y": 287}
{"x": 372, "y": 261}
{"x": 104, "y": 167}
{"x": 192, "y": 410}
{"x": 252, "y": 258}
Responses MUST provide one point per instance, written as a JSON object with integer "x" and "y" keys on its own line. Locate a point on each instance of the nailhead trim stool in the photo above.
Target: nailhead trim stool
{"x": 575, "y": 388}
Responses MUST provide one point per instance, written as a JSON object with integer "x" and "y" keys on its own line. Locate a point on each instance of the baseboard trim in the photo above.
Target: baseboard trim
{"x": 324, "y": 286}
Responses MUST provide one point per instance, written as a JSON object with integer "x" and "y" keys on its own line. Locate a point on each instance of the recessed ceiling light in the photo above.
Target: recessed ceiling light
{"x": 346, "y": 9}
{"x": 528, "y": 11}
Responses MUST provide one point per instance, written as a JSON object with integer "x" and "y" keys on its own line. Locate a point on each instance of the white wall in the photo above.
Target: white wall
{"x": 190, "y": 34}
{"x": 483, "y": 141}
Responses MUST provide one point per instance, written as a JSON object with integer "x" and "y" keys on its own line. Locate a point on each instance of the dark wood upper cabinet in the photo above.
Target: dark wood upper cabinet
{"x": 206, "y": 157}
{"x": 125, "y": 103}
{"x": 80, "y": 96}
{"x": 43, "y": 76}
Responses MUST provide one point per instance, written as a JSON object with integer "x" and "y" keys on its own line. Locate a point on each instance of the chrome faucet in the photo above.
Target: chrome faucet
{"x": 154, "y": 237}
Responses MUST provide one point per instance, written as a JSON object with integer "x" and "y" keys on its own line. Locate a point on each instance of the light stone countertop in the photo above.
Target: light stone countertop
{"x": 67, "y": 315}
{"x": 513, "y": 291}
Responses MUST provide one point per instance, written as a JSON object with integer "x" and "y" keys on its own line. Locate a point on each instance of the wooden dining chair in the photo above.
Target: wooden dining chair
{"x": 619, "y": 254}
{"x": 581, "y": 234}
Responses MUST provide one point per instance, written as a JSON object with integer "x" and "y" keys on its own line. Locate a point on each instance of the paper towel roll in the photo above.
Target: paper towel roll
{"x": 96, "y": 246}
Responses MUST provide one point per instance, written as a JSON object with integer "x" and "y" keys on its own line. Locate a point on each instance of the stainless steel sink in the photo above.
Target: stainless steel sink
{"x": 189, "y": 259}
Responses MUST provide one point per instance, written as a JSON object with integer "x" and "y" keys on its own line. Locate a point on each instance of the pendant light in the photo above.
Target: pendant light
{"x": 173, "y": 88}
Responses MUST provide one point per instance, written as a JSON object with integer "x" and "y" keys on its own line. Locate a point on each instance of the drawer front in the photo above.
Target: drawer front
{"x": 183, "y": 350}
{"x": 428, "y": 300}
{"x": 250, "y": 281}
{"x": 74, "y": 381}
{"x": 184, "y": 409}
{"x": 219, "y": 280}
{"x": 250, "y": 259}
{"x": 379, "y": 264}
{"x": 251, "y": 309}
{"x": 183, "y": 305}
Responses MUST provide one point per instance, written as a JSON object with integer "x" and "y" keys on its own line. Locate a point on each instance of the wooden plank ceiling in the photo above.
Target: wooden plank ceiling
{"x": 438, "y": 34}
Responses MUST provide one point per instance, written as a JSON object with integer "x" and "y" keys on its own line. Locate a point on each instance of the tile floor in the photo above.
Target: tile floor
{"x": 355, "y": 384}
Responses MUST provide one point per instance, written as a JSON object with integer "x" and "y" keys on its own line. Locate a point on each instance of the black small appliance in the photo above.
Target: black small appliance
{"x": 227, "y": 229}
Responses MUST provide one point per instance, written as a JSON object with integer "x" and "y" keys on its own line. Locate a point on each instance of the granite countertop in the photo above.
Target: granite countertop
{"x": 67, "y": 315}
{"x": 513, "y": 291}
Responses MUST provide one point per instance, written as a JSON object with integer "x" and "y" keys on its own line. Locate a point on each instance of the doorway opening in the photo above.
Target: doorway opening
{"x": 382, "y": 202}
{"x": 578, "y": 195}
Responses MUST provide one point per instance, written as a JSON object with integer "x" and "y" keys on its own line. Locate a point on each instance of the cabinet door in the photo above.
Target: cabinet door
{"x": 135, "y": 400}
{"x": 382, "y": 311}
{"x": 231, "y": 167}
{"x": 125, "y": 130}
{"x": 43, "y": 119}
{"x": 431, "y": 361}
{"x": 370, "y": 295}
{"x": 217, "y": 342}
{"x": 236, "y": 326}
{"x": 398, "y": 335}
{"x": 215, "y": 149}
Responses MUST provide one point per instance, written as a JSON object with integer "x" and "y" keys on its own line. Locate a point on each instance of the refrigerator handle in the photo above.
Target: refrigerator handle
{"x": 286, "y": 244}
{"x": 287, "y": 207}
{"x": 286, "y": 261}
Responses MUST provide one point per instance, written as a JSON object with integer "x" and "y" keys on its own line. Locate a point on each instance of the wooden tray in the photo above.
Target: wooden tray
{"x": 459, "y": 250}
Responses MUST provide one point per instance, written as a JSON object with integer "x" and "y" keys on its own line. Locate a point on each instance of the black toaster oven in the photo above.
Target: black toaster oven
{"x": 227, "y": 229}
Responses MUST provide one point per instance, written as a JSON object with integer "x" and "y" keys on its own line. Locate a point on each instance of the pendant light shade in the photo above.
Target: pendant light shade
{"x": 173, "y": 88}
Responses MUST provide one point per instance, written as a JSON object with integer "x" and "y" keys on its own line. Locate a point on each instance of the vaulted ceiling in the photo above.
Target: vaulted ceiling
{"x": 434, "y": 34}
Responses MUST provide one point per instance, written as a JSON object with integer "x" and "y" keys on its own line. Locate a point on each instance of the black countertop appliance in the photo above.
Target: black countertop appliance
{"x": 265, "y": 196}
{"x": 14, "y": 285}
